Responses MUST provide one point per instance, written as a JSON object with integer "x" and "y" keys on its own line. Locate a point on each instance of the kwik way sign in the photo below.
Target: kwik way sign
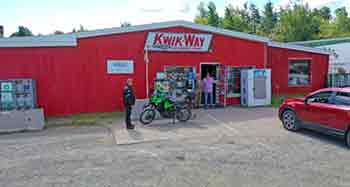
{"x": 178, "y": 42}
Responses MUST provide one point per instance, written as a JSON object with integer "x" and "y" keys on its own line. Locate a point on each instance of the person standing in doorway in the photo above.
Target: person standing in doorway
{"x": 208, "y": 83}
{"x": 129, "y": 102}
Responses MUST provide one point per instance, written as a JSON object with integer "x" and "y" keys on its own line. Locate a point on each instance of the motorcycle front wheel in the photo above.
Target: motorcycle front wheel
{"x": 147, "y": 116}
{"x": 183, "y": 114}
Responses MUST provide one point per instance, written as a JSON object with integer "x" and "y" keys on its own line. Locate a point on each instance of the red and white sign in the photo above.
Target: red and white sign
{"x": 178, "y": 42}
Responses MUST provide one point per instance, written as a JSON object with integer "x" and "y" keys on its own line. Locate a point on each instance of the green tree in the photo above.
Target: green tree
{"x": 202, "y": 17}
{"x": 342, "y": 20}
{"x": 327, "y": 30}
{"x": 203, "y": 12}
{"x": 326, "y": 13}
{"x": 255, "y": 18}
{"x": 22, "y": 31}
{"x": 323, "y": 25}
{"x": 233, "y": 21}
{"x": 244, "y": 14}
{"x": 58, "y": 32}
{"x": 125, "y": 24}
{"x": 269, "y": 19}
{"x": 213, "y": 16}
{"x": 82, "y": 28}
{"x": 296, "y": 24}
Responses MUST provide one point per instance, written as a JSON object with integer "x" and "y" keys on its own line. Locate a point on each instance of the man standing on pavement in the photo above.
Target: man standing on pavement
{"x": 129, "y": 102}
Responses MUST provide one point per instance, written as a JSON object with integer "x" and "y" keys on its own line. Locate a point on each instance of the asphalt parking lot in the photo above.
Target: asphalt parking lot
{"x": 224, "y": 147}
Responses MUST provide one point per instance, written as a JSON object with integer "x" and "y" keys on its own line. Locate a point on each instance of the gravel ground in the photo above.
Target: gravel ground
{"x": 255, "y": 151}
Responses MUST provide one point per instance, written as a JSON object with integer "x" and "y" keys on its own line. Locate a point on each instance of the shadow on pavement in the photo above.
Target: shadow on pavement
{"x": 212, "y": 122}
{"x": 163, "y": 125}
{"x": 206, "y": 119}
{"x": 135, "y": 134}
{"x": 332, "y": 140}
{"x": 241, "y": 114}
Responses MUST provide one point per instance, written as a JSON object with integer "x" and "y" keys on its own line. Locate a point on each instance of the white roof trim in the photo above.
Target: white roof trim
{"x": 71, "y": 39}
{"x": 298, "y": 48}
{"x": 225, "y": 32}
{"x": 322, "y": 40}
{"x": 121, "y": 30}
{"x": 65, "y": 40}
{"x": 162, "y": 25}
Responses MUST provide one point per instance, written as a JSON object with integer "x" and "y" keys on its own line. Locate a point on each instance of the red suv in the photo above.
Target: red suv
{"x": 326, "y": 110}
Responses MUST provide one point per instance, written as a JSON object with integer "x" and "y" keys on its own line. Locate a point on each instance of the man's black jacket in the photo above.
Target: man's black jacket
{"x": 129, "y": 97}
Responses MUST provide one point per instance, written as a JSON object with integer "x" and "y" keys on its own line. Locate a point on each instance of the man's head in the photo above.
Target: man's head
{"x": 129, "y": 82}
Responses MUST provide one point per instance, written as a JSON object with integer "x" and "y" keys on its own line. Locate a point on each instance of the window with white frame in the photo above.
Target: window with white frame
{"x": 234, "y": 80}
{"x": 299, "y": 72}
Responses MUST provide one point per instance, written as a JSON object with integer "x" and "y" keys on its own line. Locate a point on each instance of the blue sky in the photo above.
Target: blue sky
{"x": 46, "y": 16}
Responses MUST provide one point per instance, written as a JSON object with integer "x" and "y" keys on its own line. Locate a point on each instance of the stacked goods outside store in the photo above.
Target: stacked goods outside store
{"x": 178, "y": 81}
{"x": 172, "y": 97}
{"x": 18, "y": 107}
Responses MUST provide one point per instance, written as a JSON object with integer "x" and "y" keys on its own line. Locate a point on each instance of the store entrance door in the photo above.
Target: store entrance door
{"x": 213, "y": 70}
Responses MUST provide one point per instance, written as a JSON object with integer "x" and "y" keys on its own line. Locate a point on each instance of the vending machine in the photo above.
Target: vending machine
{"x": 17, "y": 94}
{"x": 18, "y": 106}
{"x": 255, "y": 87}
{"x": 7, "y": 95}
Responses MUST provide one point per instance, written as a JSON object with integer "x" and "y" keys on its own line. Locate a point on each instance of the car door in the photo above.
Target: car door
{"x": 338, "y": 111}
{"x": 314, "y": 110}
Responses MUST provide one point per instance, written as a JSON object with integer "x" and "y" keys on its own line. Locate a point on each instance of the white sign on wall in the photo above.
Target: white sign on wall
{"x": 120, "y": 66}
{"x": 178, "y": 42}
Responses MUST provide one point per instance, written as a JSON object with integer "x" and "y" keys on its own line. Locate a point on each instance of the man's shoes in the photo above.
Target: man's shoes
{"x": 130, "y": 127}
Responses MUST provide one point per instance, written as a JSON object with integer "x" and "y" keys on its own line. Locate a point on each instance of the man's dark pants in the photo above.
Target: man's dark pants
{"x": 128, "y": 110}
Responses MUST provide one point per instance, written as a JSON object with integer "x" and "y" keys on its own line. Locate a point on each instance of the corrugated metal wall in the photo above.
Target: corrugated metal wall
{"x": 279, "y": 63}
{"x": 75, "y": 80}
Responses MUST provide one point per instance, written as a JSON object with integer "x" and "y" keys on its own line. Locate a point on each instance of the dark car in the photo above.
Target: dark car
{"x": 326, "y": 110}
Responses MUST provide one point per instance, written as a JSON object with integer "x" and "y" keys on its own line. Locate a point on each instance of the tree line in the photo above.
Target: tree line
{"x": 25, "y": 31}
{"x": 296, "y": 22}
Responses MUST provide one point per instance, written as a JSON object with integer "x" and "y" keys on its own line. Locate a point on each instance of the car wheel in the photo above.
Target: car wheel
{"x": 347, "y": 139}
{"x": 290, "y": 120}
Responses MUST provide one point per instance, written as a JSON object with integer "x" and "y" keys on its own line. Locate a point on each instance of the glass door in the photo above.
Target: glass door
{"x": 222, "y": 84}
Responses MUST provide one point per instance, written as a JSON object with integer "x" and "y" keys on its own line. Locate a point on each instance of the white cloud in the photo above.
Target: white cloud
{"x": 319, "y": 3}
{"x": 311, "y": 3}
{"x": 345, "y": 4}
{"x": 112, "y": 13}
{"x": 164, "y": 5}
{"x": 139, "y": 12}
{"x": 104, "y": 16}
{"x": 283, "y": 3}
{"x": 236, "y": 3}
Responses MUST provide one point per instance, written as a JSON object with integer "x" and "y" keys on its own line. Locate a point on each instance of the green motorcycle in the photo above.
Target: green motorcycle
{"x": 167, "y": 109}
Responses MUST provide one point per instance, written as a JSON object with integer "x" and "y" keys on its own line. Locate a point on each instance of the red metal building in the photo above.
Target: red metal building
{"x": 71, "y": 70}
